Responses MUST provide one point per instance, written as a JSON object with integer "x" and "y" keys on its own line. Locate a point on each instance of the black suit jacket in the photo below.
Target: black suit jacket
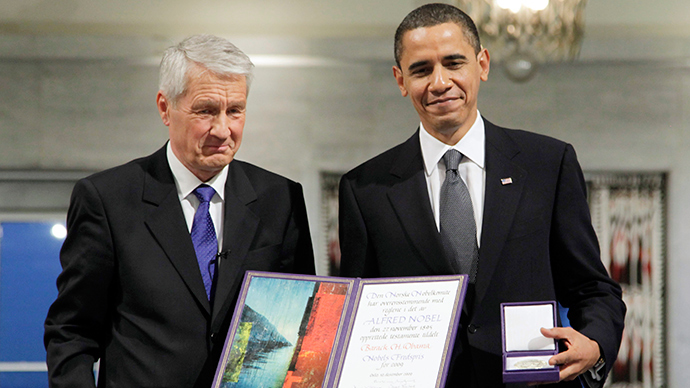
{"x": 537, "y": 241}
{"x": 131, "y": 293}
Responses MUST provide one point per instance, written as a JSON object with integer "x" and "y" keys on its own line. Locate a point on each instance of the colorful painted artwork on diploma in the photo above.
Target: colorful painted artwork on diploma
{"x": 285, "y": 335}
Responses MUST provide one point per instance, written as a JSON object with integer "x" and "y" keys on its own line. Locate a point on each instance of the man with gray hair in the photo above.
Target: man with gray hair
{"x": 157, "y": 248}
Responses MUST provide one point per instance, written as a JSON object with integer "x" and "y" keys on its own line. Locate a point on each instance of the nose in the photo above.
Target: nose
{"x": 440, "y": 80}
{"x": 221, "y": 126}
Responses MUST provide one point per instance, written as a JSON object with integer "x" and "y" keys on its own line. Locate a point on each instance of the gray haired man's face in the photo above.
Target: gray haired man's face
{"x": 206, "y": 124}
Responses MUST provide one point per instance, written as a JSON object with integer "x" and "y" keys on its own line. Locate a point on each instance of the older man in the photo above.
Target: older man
{"x": 157, "y": 248}
{"x": 463, "y": 195}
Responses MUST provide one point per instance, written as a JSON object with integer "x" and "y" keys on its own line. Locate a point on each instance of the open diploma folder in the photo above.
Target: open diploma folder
{"x": 299, "y": 331}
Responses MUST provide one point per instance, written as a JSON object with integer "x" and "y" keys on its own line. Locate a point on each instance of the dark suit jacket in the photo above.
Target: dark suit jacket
{"x": 131, "y": 292}
{"x": 537, "y": 241}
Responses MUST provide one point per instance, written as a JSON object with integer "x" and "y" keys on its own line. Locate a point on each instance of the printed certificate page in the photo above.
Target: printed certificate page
{"x": 401, "y": 334}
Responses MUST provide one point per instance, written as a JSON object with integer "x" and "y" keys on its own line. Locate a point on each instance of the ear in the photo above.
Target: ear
{"x": 163, "y": 108}
{"x": 484, "y": 63}
{"x": 398, "y": 74}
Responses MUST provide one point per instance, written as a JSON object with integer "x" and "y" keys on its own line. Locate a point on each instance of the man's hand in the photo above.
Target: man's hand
{"x": 581, "y": 354}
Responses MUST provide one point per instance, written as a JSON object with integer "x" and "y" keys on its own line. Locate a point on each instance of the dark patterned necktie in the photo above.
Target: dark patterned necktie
{"x": 458, "y": 229}
{"x": 204, "y": 237}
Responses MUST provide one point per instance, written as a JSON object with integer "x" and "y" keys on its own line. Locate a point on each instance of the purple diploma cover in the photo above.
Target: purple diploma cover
{"x": 302, "y": 331}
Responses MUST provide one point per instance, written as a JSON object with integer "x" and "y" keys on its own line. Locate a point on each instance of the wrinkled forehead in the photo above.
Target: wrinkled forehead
{"x": 198, "y": 80}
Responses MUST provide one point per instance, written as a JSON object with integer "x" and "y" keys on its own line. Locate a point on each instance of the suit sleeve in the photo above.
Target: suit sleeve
{"x": 356, "y": 260}
{"x": 582, "y": 283}
{"x": 300, "y": 253}
{"x": 76, "y": 325}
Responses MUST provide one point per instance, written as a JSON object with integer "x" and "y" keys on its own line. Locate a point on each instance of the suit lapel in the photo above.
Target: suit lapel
{"x": 240, "y": 226}
{"x": 166, "y": 222}
{"x": 410, "y": 200}
{"x": 500, "y": 202}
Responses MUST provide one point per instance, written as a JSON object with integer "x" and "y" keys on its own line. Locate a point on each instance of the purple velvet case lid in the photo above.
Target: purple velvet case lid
{"x": 528, "y": 375}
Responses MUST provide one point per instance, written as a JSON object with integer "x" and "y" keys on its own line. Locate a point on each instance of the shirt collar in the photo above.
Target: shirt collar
{"x": 471, "y": 145}
{"x": 186, "y": 181}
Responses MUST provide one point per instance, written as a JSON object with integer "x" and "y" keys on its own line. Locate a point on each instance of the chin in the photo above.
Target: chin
{"x": 448, "y": 126}
{"x": 216, "y": 162}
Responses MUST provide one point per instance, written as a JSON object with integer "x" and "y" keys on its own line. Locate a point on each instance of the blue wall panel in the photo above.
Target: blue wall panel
{"x": 29, "y": 265}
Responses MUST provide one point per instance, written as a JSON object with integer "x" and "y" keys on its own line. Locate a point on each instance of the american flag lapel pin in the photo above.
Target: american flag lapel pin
{"x": 506, "y": 181}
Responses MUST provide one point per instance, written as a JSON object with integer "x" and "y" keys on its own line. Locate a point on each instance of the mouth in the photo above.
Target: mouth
{"x": 220, "y": 148}
{"x": 443, "y": 101}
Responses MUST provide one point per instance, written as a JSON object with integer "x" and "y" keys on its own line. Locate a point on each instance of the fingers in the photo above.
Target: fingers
{"x": 580, "y": 355}
{"x": 560, "y": 359}
{"x": 570, "y": 368}
{"x": 558, "y": 332}
{"x": 569, "y": 372}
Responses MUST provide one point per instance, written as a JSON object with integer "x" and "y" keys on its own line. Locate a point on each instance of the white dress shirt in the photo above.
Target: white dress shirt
{"x": 471, "y": 168}
{"x": 186, "y": 182}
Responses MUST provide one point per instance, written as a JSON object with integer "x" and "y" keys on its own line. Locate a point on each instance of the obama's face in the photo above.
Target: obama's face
{"x": 440, "y": 72}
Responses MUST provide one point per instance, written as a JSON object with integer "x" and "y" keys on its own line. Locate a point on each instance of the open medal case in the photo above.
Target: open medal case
{"x": 526, "y": 352}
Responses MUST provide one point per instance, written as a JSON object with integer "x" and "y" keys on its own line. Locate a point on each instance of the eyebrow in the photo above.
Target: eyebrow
{"x": 205, "y": 104}
{"x": 446, "y": 58}
{"x": 455, "y": 57}
{"x": 417, "y": 64}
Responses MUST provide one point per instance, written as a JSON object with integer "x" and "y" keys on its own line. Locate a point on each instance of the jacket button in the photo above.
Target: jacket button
{"x": 472, "y": 328}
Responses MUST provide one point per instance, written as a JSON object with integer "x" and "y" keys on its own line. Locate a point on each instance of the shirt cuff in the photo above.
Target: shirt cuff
{"x": 593, "y": 378}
